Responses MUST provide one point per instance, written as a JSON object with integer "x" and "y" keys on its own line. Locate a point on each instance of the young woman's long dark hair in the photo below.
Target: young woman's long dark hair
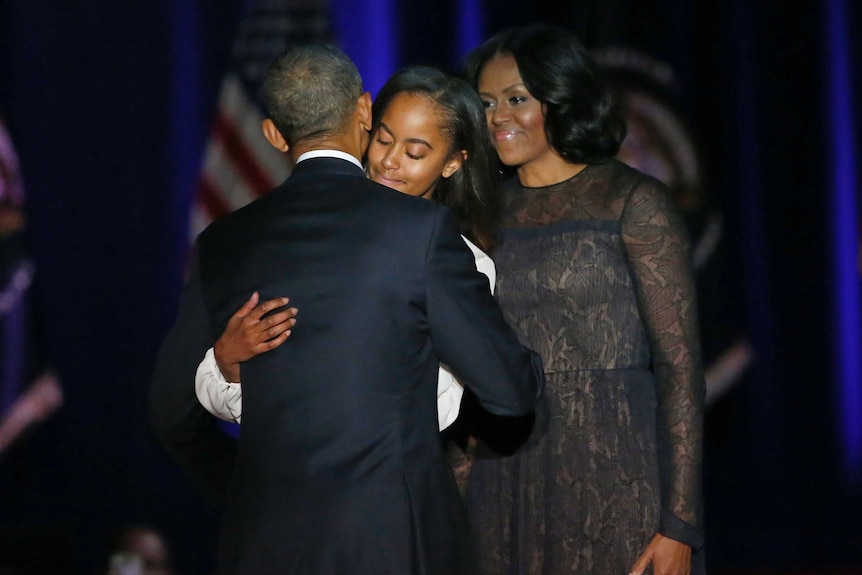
{"x": 471, "y": 192}
{"x": 580, "y": 120}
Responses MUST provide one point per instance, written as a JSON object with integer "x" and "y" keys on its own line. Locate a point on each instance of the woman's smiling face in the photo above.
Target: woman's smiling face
{"x": 516, "y": 119}
{"x": 408, "y": 151}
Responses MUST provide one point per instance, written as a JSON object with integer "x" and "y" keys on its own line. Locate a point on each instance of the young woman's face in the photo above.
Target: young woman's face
{"x": 408, "y": 152}
{"x": 516, "y": 120}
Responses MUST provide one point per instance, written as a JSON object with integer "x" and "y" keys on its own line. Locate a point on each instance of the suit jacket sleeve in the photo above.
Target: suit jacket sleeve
{"x": 188, "y": 432}
{"x": 469, "y": 333}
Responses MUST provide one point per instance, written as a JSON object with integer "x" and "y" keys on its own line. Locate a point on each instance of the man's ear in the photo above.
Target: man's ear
{"x": 273, "y": 136}
{"x": 363, "y": 110}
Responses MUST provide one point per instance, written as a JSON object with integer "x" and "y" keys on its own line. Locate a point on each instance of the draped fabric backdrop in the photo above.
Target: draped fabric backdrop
{"x": 114, "y": 108}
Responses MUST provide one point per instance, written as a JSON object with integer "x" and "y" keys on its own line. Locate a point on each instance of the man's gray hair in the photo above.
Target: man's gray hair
{"x": 311, "y": 91}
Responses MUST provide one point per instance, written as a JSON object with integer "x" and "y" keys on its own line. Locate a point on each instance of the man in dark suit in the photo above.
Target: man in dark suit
{"x": 339, "y": 468}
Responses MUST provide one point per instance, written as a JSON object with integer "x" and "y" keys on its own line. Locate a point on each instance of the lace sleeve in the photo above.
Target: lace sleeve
{"x": 657, "y": 245}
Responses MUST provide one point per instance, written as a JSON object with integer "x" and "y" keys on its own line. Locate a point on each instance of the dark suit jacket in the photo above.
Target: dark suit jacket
{"x": 339, "y": 468}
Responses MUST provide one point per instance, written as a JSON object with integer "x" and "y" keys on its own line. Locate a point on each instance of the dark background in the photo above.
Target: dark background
{"x": 109, "y": 106}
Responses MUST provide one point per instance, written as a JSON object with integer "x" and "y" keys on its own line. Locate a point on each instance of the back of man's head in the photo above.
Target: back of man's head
{"x": 311, "y": 92}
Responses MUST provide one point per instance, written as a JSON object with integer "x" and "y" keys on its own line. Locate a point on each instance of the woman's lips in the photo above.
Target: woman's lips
{"x": 386, "y": 181}
{"x": 504, "y": 135}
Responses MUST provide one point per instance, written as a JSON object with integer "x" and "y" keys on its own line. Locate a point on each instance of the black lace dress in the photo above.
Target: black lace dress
{"x": 594, "y": 273}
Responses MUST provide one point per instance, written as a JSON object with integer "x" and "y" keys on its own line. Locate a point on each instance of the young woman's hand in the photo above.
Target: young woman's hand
{"x": 249, "y": 333}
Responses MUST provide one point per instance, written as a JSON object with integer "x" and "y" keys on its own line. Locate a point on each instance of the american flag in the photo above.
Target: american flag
{"x": 239, "y": 164}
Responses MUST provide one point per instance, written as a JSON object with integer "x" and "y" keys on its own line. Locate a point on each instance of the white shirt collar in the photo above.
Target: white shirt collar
{"x": 329, "y": 154}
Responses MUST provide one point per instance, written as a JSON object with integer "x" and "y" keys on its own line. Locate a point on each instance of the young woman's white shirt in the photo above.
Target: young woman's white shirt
{"x": 224, "y": 399}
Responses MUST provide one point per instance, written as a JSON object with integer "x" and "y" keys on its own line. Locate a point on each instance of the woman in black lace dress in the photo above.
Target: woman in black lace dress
{"x": 594, "y": 273}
